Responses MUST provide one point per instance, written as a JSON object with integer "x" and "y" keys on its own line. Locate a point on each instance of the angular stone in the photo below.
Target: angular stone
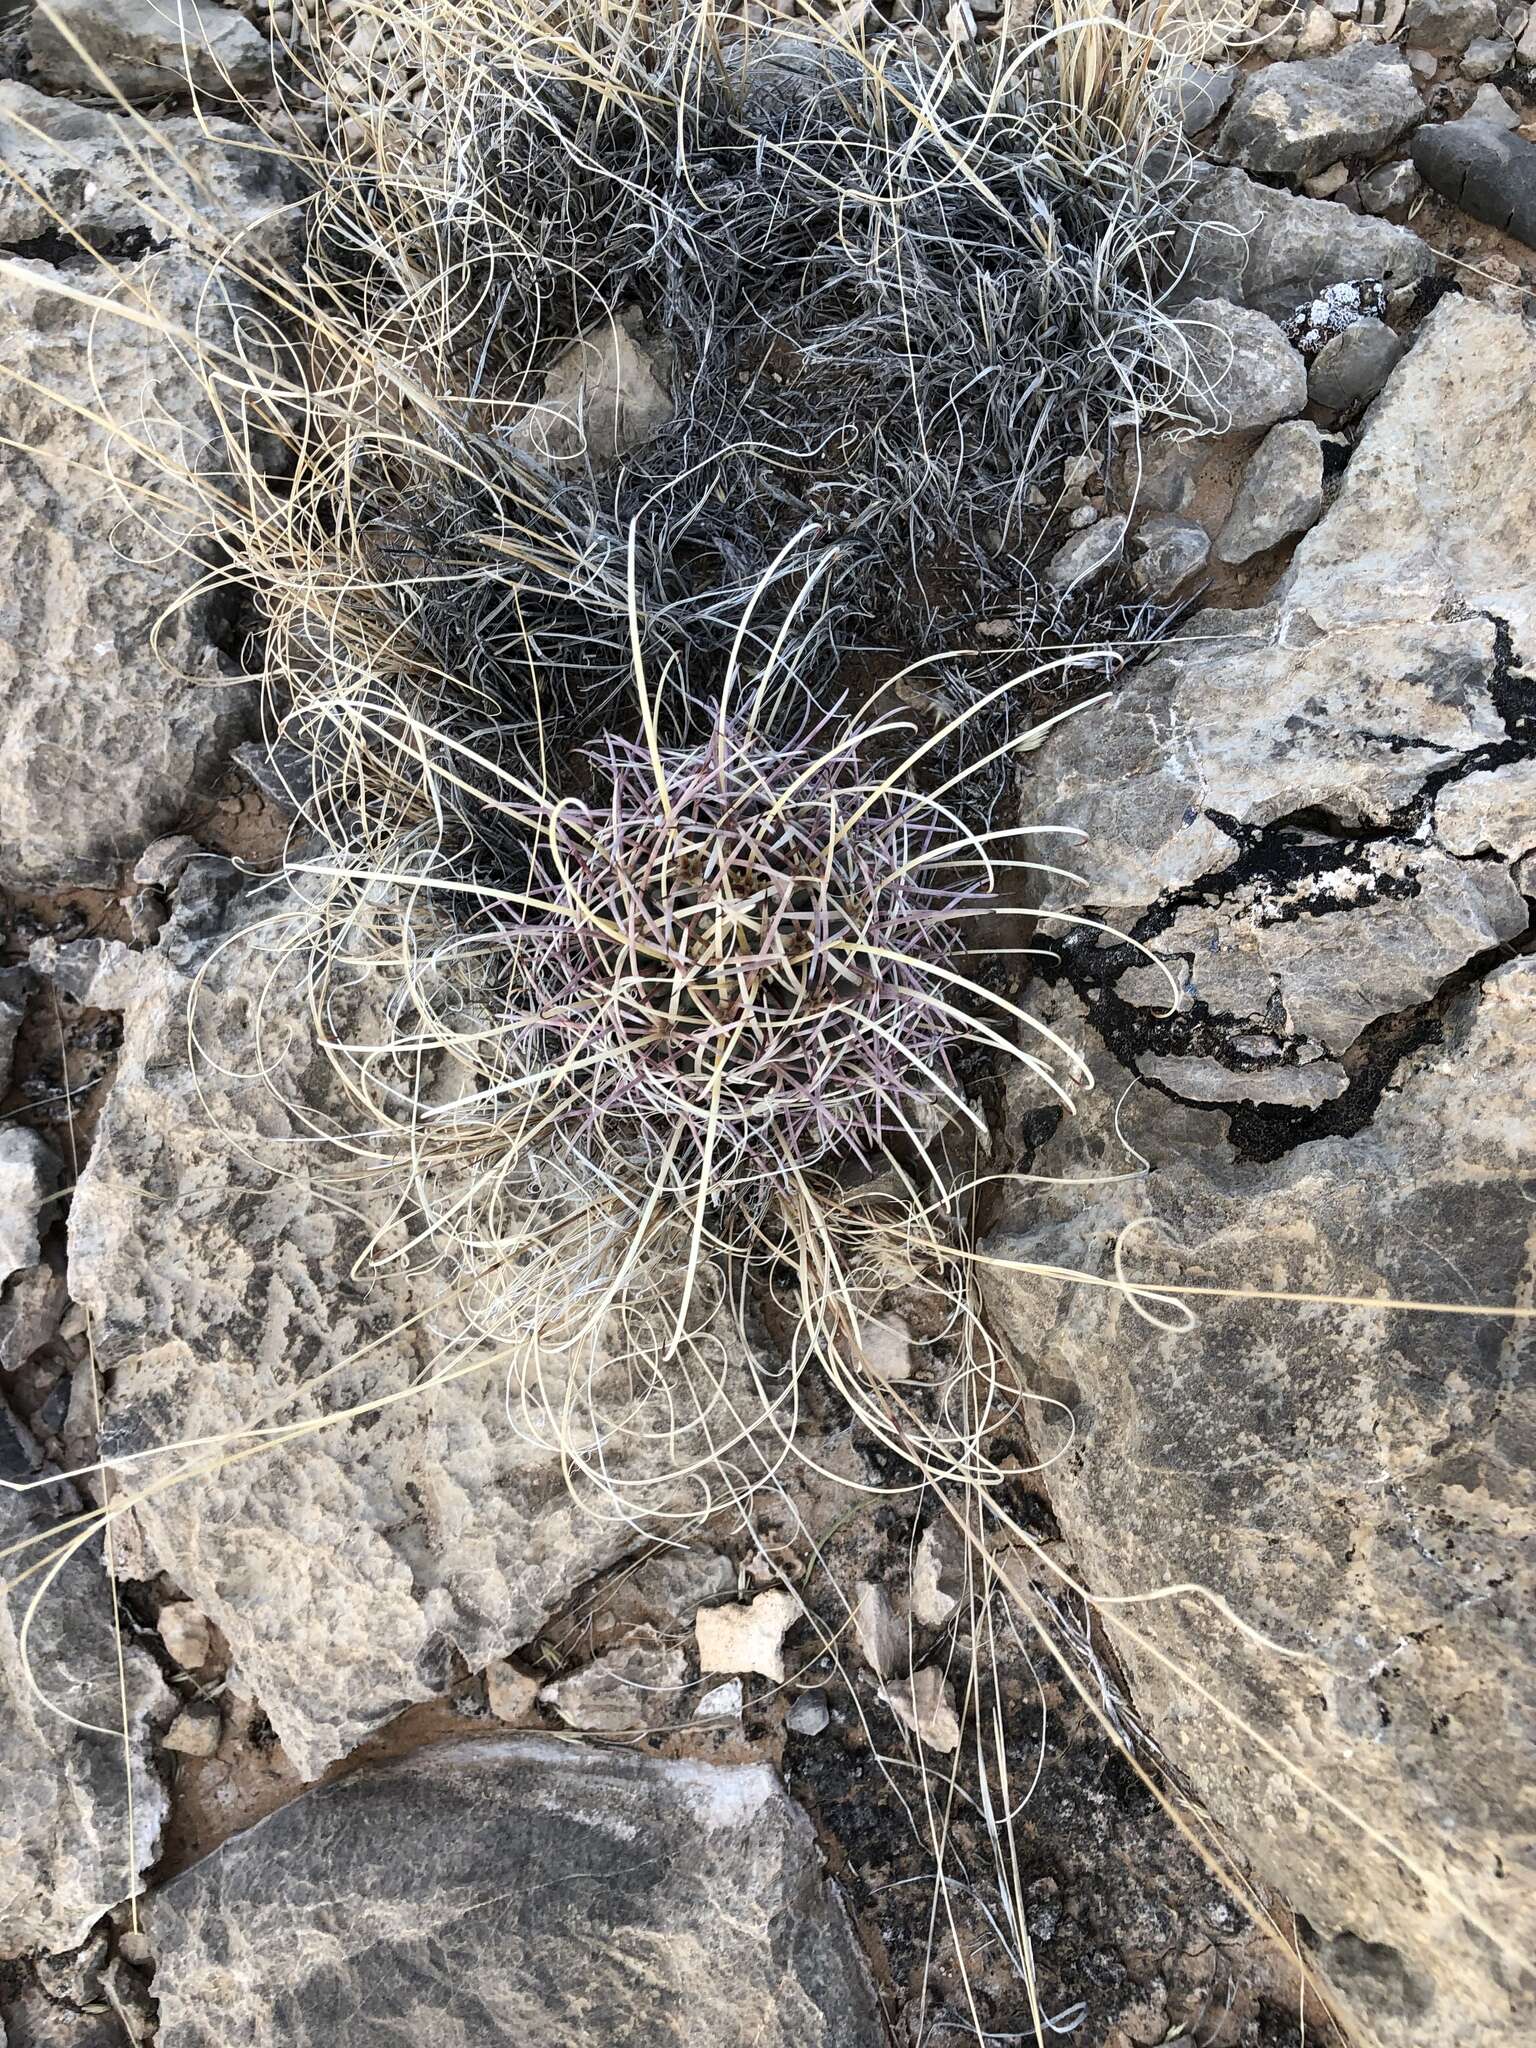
{"x": 517, "y": 1890}
{"x": 1350, "y": 368}
{"x": 881, "y": 1634}
{"x": 1490, "y": 105}
{"x": 1281, "y": 493}
{"x": 1486, "y": 55}
{"x": 1271, "y": 250}
{"x": 66, "y": 1850}
{"x": 938, "y": 1573}
{"x": 749, "y": 1638}
{"x": 1166, "y": 552}
{"x": 637, "y": 1684}
{"x": 1246, "y": 373}
{"x": 1484, "y": 170}
{"x": 604, "y": 396}
{"x": 149, "y": 49}
{"x": 925, "y": 1704}
{"x": 196, "y": 1730}
{"x": 1087, "y": 554}
{"x": 185, "y": 1633}
{"x": 510, "y": 1694}
{"x": 1355, "y": 1484}
{"x": 348, "y": 1567}
{"x": 29, "y": 1172}
{"x": 1201, "y": 91}
{"x": 1390, "y": 188}
{"x": 1290, "y": 120}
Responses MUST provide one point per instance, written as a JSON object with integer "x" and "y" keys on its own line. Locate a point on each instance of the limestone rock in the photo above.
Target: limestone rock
{"x": 1355, "y": 1484}
{"x": 880, "y": 1632}
{"x": 150, "y": 49}
{"x": 1450, "y": 24}
{"x": 66, "y": 1855}
{"x": 1247, "y": 374}
{"x": 1166, "y": 552}
{"x": 346, "y": 1569}
{"x": 1197, "y": 1079}
{"x": 635, "y": 1685}
{"x": 1271, "y": 250}
{"x": 1351, "y": 368}
{"x": 103, "y": 739}
{"x": 521, "y": 1890}
{"x": 1087, "y": 554}
{"x": 1493, "y": 811}
{"x": 749, "y": 1638}
{"x": 28, "y": 1173}
{"x": 605, "y": 396}
{"x": 938, "y": 1573}
{"x": 1291, "y": 120}
{"x": 510, "y": 1694}
{"x": 1281, "y": 493}
{"x": 1201, "y": 92}
{"x": 196, "y": 1730}
{"x": 185, "y": 1633}
{"x": 1390, "y": 188}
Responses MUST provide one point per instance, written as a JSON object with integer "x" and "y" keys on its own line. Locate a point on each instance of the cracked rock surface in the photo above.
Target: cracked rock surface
{"x": 1328, "y": 804}
{"x": 518, "y": 1890}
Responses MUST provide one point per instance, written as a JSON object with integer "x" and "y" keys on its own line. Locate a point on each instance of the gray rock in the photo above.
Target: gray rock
{"x": 66, "y": 1854}
{"x": 149, "y": 51}
{"x": 13, "y": 1014}
{"x": 1490, "y": 811}
{"x": 1451, "y": 24}
{"x": 1486, "y": 55}
{"x": 1201, "y": 92}
{"x": 517, "y": 1889}
{"x": 1490, "y": 105}
{"x": 1355, "y": 1485}
{"x": 1322, "y": 954}
{"x": 1390, "y": 188}
{"x": 635, "y": 1685}
{"x": 809, "y": 1714}
{"x": 196, "y": 1729}
{"x": 1166, "y": 552}
{"x": 1281, "y": 493}
{"x": 93, "y": 974}
{"x": 104, "y": 737}
{"x": 1352, "y": 367}
{"x": 1315, "y": 323}
{"x": 1484, "y": 170}
{"x": 1271, "y": 250}
{"x": 1291, "y": 120}
{"x": 347, "y": 1568}
{"x": 1246, "y": 372}
{"x": 1087, "y": 554}
{"x": 29, "y": 1173}
{"x": 606, "y": 395}
{"x": 1207, "y": 1080}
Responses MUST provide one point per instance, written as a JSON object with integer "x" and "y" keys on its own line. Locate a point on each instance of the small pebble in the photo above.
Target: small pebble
{"x": 185, "y": 1633}
{"x": 1486, "y": 55}
{"x": 195, "y": 1730}
{"x": 1490, "y": 105}
{"x": 809, "y": 1715}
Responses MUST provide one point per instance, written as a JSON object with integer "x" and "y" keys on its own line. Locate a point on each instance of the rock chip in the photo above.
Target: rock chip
{"x": 1490, "y": 105}
{"x": 66, "y": 1852}
{"x": 1484, "y": 170}
{"x": 1351, "y": 367}
{"x": 606, "y": 395}
{"x": 925, "y": 1704}
{"x": 1166, "y": 552}
{"x": 749, "y": 1638}
{"x": 1272, "y": 250}
{"x": 29, "y": 1171}
{"x": 1201, "y": 92}
{"x": 1087, "y": 554}
{"x": 1451, "y": 24}
{"x": 1390, "y": 188}
{"x": 196, "y": 1730}
{"x": 1290, "y": 120}
{"x": 636, "y": 1684}
{"x": 1281, "y": 493}
{"x": 1197, "y": 1079}
{"x": 1486, "y": 55}
{"x": 149, "y": 49}
{"x": 1247, "y": 374}
{"x": 517, "y": 1890}
{"x": 880, "y": 1632}
{"x": 1354, "y": 1484}
{"x": 185, "y": 1632}
{"x": 809, "y": 1714}
{"x": 510, "y": 1694}
{"x": 938, "y": 1573}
